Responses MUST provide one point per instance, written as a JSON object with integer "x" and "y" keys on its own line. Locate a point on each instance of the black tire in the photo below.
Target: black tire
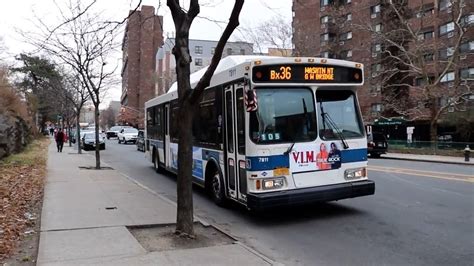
{"x": 375, "y": 155}
{"x": 118, "y": 139}
{"x": 217, "y": 187}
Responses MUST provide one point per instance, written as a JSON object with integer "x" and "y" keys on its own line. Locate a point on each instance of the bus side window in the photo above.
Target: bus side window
{"x": 173, "y": 122}
{"x": 240, "y": 121}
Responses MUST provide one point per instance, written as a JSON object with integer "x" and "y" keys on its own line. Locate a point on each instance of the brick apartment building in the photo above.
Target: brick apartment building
{"x": 201, "y": 52}
{"x": 352, "y": 30}
{"x": 143, "y": 36}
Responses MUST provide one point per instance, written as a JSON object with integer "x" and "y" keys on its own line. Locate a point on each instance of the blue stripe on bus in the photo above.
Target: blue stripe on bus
{"x": 261, "y": 163}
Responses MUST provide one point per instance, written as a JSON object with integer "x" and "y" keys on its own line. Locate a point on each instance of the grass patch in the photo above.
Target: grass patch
{"x": 34, "y": 154}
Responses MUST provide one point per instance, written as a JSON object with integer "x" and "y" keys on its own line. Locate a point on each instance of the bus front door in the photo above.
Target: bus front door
{"x": 230, "y": 164}
{"x": 236, "y": 176}
{"x": 167, "y": 136}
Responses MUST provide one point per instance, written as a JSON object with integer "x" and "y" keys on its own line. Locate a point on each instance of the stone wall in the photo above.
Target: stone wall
{"x": 14, "y": 132}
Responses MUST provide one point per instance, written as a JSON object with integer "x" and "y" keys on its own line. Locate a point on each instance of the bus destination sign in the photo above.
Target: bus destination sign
{"x": 307, "y": 73}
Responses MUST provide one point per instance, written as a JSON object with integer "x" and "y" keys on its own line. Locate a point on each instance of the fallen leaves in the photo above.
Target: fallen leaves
{"x": 21, "y": 188}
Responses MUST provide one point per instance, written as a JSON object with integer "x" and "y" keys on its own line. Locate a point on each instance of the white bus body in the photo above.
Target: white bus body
{"x": 288, "y": 149}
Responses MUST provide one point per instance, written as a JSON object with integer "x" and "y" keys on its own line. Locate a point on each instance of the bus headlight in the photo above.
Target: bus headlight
{"x": 355, "y": 173}
{"x": 274, "y": 183}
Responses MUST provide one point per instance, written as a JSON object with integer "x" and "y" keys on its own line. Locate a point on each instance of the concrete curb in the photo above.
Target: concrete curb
{"x": 425, "y": 160}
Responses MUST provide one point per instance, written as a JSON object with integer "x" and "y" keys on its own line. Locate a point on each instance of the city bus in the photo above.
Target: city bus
{"x": 270, "y": 132}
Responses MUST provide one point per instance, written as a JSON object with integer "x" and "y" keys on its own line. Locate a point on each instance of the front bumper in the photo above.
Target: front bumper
{"x": 310, "y": 195}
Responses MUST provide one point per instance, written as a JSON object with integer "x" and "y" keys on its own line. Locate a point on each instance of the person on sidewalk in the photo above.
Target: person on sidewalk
{"x": 60, "y": 137}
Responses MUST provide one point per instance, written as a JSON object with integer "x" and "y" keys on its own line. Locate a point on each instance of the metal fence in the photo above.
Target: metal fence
{"x": 429, "y": 147}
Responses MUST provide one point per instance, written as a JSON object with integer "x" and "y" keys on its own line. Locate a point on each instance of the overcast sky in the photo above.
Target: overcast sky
{"x": 20, "y": 14}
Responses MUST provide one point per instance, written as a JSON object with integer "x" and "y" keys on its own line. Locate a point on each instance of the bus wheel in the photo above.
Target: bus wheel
{"x": 217, "y": 188}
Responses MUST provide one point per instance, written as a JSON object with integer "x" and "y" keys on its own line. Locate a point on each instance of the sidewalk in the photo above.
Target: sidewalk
{"x": 428, "y": 158}
{"x": 85, "y": 214}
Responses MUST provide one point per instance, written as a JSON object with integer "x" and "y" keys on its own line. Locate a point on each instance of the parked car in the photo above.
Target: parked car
{"x": 88, "y": 141}
{"x": 128, "y": 134}
{"x": 113, "y": 131}
{"x": 141, "y": 140}
{"x": 376, "y": 144}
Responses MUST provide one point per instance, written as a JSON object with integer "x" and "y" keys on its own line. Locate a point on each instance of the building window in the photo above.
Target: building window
{"x": 345, "y": 2}
{"x": 467, "y": 20}
{"x": 449, "y": 76}
{"x": 376, "y": 68}
{"x": 466, "y": 47}
{"x": 324, "y": 3}
{"x": 444, "y": 4}
{"x": 425, "y": 11}
{"x": 327, "y": 37}
{"x": 346, "y": 36}
{"x": 346, "y": 54}
{"x": 213, "y": 50}
{"x": 325, "y": 54}
{"x": 446, "y": 52}
{"x": 198, "y": 49}
{"x": 377, "y": 107}
{"x": 429, "y": 34}
{"x": 422, "y": 81}
{"x": 467, "y": 73}
{"x": 374, "y": 10}
{"x": 242, "y": 51}
{"x": 229, "y": 51}
{"x": 375, "y": 89}
{"x": 446, "y": 28}
{"x": 376, "y": 48}
{"x": 428, "y": 56}
{"x": 198, "y": 62}
{"x": 325, "y": 20}
{"x": 378, "y": 27}
{"x": 349, "y": 17}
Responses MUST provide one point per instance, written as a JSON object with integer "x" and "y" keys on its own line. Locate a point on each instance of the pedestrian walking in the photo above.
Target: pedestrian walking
{"x": 60, "y": 137}
{"x": 51, "y": 131}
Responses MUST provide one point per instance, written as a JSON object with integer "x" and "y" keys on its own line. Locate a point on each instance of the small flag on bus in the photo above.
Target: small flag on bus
{"x": 250, "y": 99}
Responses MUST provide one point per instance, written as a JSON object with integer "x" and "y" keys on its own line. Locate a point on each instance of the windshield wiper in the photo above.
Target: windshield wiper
{"x": 289, "y": 149}
{"x": 332, "y": 125}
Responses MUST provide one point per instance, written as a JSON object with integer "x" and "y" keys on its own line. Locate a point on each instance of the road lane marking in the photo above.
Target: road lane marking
{"x": 440, "y": 175}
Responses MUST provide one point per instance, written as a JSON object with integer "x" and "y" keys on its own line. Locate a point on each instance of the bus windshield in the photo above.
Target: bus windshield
{"x": 284, "y": 115}
{"x": 340, "y": 108}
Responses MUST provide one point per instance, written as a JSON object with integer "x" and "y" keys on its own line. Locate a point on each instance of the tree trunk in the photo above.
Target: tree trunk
{"x": 78, "y": 133}
{"x": 97, "y": 143}
{"x": 69, "y": 132}
{"x": 434, "y": 130}
{"x": 184, "y": 219}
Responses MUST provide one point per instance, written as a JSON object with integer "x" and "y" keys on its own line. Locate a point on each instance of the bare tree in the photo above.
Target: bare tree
{"x": 77, "y": 96}
{"x": 188, "y": 100}
{"x": 108, "y": 117}
{"x": 275, "y": 33}
{"x": 415, "y": 85}
{"x": 84, "y": 43}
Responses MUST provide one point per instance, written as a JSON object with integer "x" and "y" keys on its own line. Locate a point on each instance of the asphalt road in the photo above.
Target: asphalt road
{"x": 422, "y": 214}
